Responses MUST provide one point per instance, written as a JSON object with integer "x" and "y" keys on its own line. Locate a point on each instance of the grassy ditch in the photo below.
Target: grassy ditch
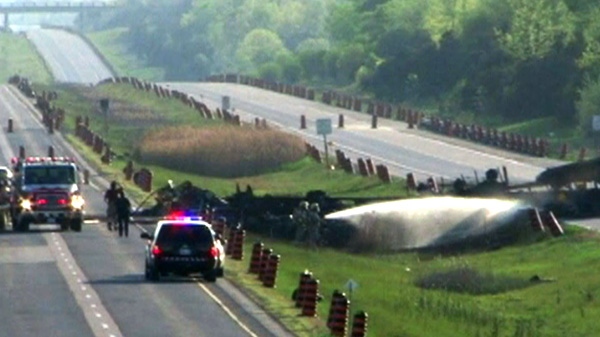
{"x": 18, "y": 56}
{"x": 546, "y": 288}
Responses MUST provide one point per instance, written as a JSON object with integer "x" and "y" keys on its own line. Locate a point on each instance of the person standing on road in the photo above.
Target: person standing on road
{"x": 123, "y": 207}
{"x": 110, "y": 196}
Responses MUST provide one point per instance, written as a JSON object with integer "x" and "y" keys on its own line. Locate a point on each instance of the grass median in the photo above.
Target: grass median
{"x": 18, "y": 57}
{"x": 546, "y": 287}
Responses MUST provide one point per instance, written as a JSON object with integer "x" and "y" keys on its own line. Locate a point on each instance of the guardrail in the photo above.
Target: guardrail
{"x": 523, "y": 144}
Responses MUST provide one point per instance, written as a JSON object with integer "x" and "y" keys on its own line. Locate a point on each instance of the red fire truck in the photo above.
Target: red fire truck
{"x": 46, "y": 191}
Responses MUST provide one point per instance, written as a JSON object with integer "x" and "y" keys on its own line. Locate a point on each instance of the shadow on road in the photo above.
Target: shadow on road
{"x": 140, "y": 279}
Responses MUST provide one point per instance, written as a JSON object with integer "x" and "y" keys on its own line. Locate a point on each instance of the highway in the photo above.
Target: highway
{"x": 70, "y": 59}
{"x": 92, "y": 283}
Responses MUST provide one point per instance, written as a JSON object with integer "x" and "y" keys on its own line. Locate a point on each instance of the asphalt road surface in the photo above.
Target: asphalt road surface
{"x": 91, "y": 283}
{"x": 70, "y": 58}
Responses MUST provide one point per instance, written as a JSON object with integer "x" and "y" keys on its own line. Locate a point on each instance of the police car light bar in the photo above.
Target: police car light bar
{"x": 183, "y": 216}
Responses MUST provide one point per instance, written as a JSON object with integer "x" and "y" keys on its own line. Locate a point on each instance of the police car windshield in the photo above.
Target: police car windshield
{"x": 49, "y": 175}
{"x": 181, "y": 234}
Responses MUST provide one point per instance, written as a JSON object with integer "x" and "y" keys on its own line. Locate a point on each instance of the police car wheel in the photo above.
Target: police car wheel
{"x": 152, "y": 274}
{"x": 23, "y": 226}
{"x": 210, "y": 276}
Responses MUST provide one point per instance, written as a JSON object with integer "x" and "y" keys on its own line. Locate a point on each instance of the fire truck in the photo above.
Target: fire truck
{"x": 46, "y": 191}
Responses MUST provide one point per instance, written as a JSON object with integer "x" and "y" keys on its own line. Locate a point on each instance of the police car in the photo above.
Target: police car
{"x": 184, "y": 245}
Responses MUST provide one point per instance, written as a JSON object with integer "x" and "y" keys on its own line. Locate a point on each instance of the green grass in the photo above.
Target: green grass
{"x": 388, "y": 288}
{"x": 123, "y": 62}
{"x": 397, "y": 307}
{"x": 19, "y": 57}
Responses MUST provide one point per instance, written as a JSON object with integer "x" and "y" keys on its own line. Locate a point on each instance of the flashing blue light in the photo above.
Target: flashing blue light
{"x": 184, "y": 216}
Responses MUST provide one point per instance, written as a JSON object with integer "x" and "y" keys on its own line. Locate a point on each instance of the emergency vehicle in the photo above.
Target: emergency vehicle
{"x": 184, "y": 245}
{"x": 46, "y": 191}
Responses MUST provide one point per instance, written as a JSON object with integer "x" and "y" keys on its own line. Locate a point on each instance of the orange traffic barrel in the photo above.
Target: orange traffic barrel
{"x": 359, "y": 324}
{"x": 255, "y": 258}
{"x": 238, "y": 245}
{"x": 264, "y": 261}
{"x": 298, "y": 296}
{"x": 337, "y": 321}
{"x": 310, "y": 298}
{"x": 270, "y": 274}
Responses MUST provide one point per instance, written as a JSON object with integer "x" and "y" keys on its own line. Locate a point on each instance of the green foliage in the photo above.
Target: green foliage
{"x": 270, "y": 71}
{"x": 260, "y": 46}
{"x": 590, "y": 57}
{"x": 588, "y": 105}
{"x": 447, "y": 16}
{"x": 537, "y": 27}
{"x": 291, "y": 71}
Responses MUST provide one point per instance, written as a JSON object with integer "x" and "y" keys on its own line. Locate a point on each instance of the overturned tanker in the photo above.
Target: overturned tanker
{"x": 271, "y": 214}
{"x": 182, "y": 197}
{"x": 268, "y": 214}
{"x": 569, "y": 190}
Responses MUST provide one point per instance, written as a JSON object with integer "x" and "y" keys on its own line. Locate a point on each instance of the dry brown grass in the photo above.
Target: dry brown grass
{"x": 221, "y": 151}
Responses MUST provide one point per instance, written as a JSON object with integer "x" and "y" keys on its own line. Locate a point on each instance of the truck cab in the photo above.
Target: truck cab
{"x": 46, "y": 191}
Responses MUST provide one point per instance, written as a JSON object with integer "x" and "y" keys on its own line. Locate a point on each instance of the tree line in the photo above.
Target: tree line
{"x": 494, "y": 60}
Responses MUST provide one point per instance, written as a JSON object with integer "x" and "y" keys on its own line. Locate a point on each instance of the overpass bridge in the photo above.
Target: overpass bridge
{"x": 82, "y": 8}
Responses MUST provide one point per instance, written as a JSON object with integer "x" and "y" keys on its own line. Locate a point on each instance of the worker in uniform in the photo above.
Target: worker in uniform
{"x": 490, "y": 186}
{"x": 123, "y": 210}
{"x": 313, "y": 225}
{"x": 110, "y": 196}
{"x": 300, "y": 217}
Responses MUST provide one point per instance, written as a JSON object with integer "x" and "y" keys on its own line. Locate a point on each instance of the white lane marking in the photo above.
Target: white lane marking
{"x": 226, "y": 309}
{"x": 96, "y": 315}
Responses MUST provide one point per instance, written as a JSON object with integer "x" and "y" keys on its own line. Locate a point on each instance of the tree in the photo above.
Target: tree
{"x": 260, "y": 46}
{"x": 588, "y": 105}
{"x": 590, "y": 57}
{"x": 537, "y": 27}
